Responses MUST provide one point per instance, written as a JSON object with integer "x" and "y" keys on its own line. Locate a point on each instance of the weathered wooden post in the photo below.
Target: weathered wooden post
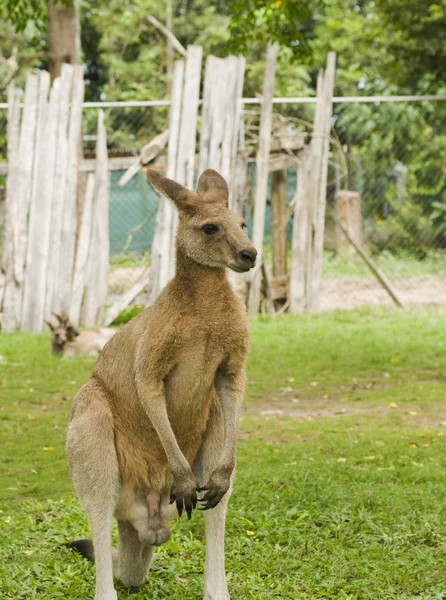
{"x": 278, "y": 221}
{"x": 348, "y": 211}
{"x": 56, "y": 248}
{"x": 180, "y": 164}
{"x": 39, "y": 226}
{"x": 162, "y": 241}
{"x": 98, "y": 259}
{"x": 69, "y": 220}
{"x": 309, "y": 215}
{"x": 320, "y": 179}
{"x": 17, "y": 205}
{"x": 262, "y": 168}
{"x": 53, "y": 299}
{"x": 300, "y": 242}
{"x": 185, "y": 161}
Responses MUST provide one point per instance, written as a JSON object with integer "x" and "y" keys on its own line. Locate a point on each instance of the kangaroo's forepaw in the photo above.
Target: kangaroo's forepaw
{"x": 216, "y": 487}
{"x": 215, "y": 490}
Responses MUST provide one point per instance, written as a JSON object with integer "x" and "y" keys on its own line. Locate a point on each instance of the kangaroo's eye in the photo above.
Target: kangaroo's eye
{"x": 244, "y": 225}
{"x": 210, "y": 229}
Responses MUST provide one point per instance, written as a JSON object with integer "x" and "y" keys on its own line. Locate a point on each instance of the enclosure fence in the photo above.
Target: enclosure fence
{"x": 390, "y": 151}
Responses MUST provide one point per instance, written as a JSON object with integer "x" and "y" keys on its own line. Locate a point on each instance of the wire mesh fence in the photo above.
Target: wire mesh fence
{"x": 396, "y": 159}
{"x": 392, "y": 153}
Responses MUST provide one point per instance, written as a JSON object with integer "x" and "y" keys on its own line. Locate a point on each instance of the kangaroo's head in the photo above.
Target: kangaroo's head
{"x": 58, "y": 338}
{"x": 208, "y": 232}
{"x": 70, "y": 330}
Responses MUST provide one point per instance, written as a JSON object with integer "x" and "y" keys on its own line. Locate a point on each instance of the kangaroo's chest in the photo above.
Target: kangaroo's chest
{"x": 192, "y": 378}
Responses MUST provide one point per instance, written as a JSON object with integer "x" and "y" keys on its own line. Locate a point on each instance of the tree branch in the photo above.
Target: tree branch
{"x": 168, "y": 34}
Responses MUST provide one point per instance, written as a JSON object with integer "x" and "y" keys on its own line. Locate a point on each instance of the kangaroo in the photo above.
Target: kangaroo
{"x": 67, "y": 341}
{"x": 157, "y": 422}
{"x": 70, "y": 329}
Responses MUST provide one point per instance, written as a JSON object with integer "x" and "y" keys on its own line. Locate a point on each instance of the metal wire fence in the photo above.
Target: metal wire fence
{"x": 392, "y": 153}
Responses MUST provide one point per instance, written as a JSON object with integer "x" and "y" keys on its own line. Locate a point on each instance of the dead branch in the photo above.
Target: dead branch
{"x": 137, "y": 228}
{"x": 168, "y": 34}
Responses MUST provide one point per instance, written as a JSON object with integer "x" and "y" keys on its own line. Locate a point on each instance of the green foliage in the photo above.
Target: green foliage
{"x": 287, "y": 22}
{"x": 415, "y": 48}
{"x": 384, "y": 45}
{"x": 389, "y": 48}
{"x": 438, "y": 216}
{"x": 343, "y": 500}
{"x": 20, "y": 12}
{"x": 127, "y": 315}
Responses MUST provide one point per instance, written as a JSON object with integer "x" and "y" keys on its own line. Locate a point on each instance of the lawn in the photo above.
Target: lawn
{"x": 341, "y": 487}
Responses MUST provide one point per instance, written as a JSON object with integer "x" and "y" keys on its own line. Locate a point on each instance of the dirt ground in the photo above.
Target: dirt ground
{"x": 353, "y": 292}
{"x": 310, "y": 409}
{"x": 339, "y": 293}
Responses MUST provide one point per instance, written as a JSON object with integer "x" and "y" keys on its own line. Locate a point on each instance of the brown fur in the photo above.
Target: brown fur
{"x": 168, "y": 386}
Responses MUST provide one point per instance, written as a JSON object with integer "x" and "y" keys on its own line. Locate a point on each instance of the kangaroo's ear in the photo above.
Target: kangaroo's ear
{"x": 50, "y": 325}
{"x": 212, "y": 187}
{"x": 63, "y": 318}
{"x": 183, "y": 199}
{"x": 72, "y": 331}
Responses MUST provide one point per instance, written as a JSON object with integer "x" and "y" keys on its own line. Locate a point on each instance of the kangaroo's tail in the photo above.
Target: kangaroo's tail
{"x": 82, "y": 547}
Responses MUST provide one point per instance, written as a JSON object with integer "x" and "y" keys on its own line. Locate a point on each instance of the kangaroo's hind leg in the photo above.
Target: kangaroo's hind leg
{"x": 215, "y": 587}
{"x": 134, "y": 557}
{"x": 95, "y": 474}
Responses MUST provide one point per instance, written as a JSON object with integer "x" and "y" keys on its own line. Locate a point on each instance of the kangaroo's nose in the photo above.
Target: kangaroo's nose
{"x": 249, "y": 254}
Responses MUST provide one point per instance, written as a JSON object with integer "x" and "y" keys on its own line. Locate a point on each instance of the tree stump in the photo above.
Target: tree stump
{"x": 348, "y": 212}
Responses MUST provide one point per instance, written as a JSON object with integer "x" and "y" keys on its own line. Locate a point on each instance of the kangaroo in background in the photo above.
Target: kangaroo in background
{"x": 66, "y": 340}
{"x": 157, "y": 422}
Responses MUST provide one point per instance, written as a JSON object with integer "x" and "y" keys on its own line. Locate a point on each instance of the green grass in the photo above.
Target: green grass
{"x": 403, "y": 264}
{"x": 350, "y": 504}
{"x": 130, "y": 260}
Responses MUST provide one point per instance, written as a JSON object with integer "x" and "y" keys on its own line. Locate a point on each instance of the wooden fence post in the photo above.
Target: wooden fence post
{"x": 320, "y": 189}
{"x": 348, "y": 212}
{"x": 80, "y": 277}
{"x": 53, "y": 295}
{"x": 69, "y": 220}
{"x": 300, "y": 242}
{"x": 13, "y": 136}
{"x": 309, "y": 214}
{"x": 262, "y": 168}
{"x": 185, "y": 162}
{"x": 62, "y": 259}
{"x": 39, "y": 226}
{"x": 221, "y": 114}
{"x": 162, "y": 241}
{"x": 19, "y": 204}
{"x": 278, "y": 221}
{"x": 98, "y": 260}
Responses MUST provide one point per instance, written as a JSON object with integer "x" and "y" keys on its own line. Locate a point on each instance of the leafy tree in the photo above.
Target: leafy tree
{"x": 288, "y": 22}
{"x": 374, "y": 42}
{"x": 384, "y": 46}
{"x": 20, "y": 12}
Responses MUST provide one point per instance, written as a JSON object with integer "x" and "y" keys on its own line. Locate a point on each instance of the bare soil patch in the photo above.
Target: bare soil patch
{"x": 353, "y": 292}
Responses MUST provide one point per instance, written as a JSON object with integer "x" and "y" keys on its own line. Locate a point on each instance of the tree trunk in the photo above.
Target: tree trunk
{"x": 63, "y": 34}
{"x": 278, "y": 212}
